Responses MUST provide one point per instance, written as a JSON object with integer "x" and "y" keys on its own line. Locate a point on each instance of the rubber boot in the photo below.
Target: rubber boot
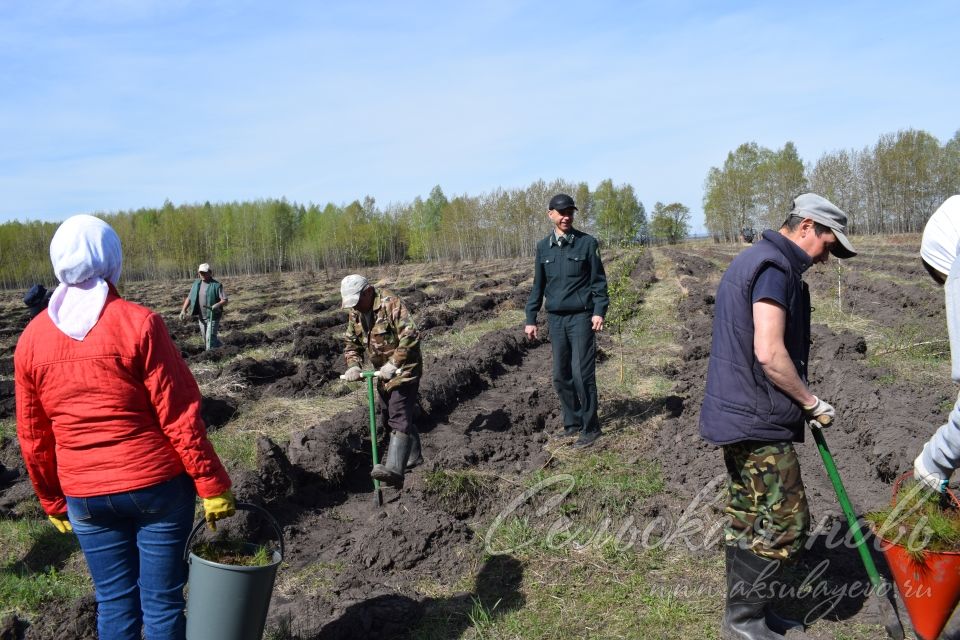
{"x": 748, "y": 595}
{"x": 780, "y": 624}
{"x": 392, "y": 471}
{"x": 416, "y": 453}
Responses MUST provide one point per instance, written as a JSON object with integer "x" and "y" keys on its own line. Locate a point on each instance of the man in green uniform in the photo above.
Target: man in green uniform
{"x": 205, "y": 302}
{"x": 380, "y": 326}
{"x": 569, "y": 274}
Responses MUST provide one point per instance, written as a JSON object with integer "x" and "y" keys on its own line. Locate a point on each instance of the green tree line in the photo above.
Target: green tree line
{"x": 890, "y": 187}
{"x": 277, "y": 235}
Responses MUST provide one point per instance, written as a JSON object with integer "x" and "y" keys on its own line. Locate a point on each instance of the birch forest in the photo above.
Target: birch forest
{"x": 890, "y": 187}
{"x": 276, "y": 235}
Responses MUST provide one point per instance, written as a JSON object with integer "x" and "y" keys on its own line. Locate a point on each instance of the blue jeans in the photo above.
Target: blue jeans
{"x": 133, "y": 543}
{"x": 208, "y": 333}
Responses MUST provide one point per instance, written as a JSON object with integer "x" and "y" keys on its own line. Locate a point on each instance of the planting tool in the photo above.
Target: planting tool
{"x": 369, "y": 376}
{"x": 882, "y": 589}
{"x": 929, "y": 582}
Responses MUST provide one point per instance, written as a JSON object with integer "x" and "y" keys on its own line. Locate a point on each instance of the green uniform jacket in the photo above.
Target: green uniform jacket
{"x": 569, "y": 276}
{"x": 214, "y": 289}
{"x": 393, "y": 336}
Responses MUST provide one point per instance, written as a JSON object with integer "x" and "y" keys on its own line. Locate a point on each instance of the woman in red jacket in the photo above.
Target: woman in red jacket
{"x": 108, "y": 417}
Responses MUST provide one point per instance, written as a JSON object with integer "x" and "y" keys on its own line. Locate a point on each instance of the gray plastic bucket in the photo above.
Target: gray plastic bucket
{"x": 229, "y": 602}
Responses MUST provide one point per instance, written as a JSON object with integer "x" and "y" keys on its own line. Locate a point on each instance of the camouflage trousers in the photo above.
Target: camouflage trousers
{"x": 766, "y": 504}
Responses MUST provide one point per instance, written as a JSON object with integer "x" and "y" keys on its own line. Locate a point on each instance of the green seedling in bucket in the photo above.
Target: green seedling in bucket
{"x": 918, "y": 520}
{"x": 920, "y": 539}
{"x": 236, "y": 553}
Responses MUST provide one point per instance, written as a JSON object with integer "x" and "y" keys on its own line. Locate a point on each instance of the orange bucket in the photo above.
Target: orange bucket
{"x": 929, "y": 585}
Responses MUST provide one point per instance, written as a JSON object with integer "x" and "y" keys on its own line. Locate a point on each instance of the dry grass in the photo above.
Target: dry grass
{"x": 907, "y": 350}
{"x": 312, "y": 579}
{"x": 454, "y": 341}
{"x": 284, "y": 317}
{"x": 649, "y": 342}
{"x": 275, "y": 418}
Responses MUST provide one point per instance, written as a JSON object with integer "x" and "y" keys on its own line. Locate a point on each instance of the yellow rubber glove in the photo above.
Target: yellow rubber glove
{"x": 218, "y": 508}
{"x": 61, "y": 523}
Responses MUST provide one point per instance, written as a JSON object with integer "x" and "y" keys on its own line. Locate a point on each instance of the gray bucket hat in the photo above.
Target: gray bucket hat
{"x": 350, "y": 289}
{"x": 819, "y": 209}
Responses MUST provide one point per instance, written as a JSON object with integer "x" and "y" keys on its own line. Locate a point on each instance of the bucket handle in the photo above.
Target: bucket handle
{"x": 909, "y": 474}
{"x": 241, "y": 506}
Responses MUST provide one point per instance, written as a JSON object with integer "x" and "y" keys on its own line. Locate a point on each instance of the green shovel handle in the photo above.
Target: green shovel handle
{"x": 852, "y": 521}
{"x": 369, "y": 376}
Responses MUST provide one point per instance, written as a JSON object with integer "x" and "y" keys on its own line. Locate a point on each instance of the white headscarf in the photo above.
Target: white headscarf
{"x": 85, "y": 252}
{"x": 942, "y": 235}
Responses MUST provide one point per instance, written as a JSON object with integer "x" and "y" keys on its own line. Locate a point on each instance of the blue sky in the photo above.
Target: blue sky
{"x": 110, "y": 105}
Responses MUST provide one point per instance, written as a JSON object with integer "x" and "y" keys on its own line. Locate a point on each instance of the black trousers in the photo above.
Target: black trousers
{"x": 575, "y": 368}
{"x": 397, "y": 406}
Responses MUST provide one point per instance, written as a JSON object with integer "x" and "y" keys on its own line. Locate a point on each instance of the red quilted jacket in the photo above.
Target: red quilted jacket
{"x": 115, "y": 412}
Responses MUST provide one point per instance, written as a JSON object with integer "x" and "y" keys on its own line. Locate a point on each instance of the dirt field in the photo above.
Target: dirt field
{"x": 505, "y": 531}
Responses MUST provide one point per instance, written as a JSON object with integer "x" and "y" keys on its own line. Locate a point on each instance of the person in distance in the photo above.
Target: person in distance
{"x": 205, "y": 302}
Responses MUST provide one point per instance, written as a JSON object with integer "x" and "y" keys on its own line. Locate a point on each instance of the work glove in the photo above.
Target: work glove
{"x": 183, "y": 315}
{"x": 820, "y": 413}
{"x": 387, "y": 371}
{"x": 352, "y": 374}
{"x": 61, "y": 523}
{"x": 929, "y": 478}
{"x": 218, "y": 508}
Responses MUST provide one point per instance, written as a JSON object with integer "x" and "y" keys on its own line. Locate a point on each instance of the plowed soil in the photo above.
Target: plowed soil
{"x": 489, "y": 410}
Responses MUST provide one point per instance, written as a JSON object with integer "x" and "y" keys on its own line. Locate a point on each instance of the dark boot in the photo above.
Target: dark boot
{"x": 391, "y": 472}
{"x": 751, "y": 580}
{"x": 416, "y": 453}
{"x": 587, "y": 438}
{"x": 780, "y": 624}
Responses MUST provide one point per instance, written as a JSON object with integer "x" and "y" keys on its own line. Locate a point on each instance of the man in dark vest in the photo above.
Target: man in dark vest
{"x": 569, "y": 274}
{"x": 757, "y": 404}
{"x": 205, "y": 302}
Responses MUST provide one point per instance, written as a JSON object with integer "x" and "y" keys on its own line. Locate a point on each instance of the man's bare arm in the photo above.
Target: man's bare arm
{"x": 769, "y": 326}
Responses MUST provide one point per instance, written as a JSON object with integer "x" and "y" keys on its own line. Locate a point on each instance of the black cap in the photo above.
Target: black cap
{"x": 560, "y": 202}
{"x": 35, "y": 295}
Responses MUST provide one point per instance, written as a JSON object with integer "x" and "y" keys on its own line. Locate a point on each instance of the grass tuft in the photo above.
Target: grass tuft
{"x": 8, "y": 428}
{"x": 456, "y": 490}
{"x": 38, "y": 566}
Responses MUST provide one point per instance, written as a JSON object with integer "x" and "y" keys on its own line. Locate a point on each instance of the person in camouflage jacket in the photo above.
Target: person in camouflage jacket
{"x": 380, "y": 327}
